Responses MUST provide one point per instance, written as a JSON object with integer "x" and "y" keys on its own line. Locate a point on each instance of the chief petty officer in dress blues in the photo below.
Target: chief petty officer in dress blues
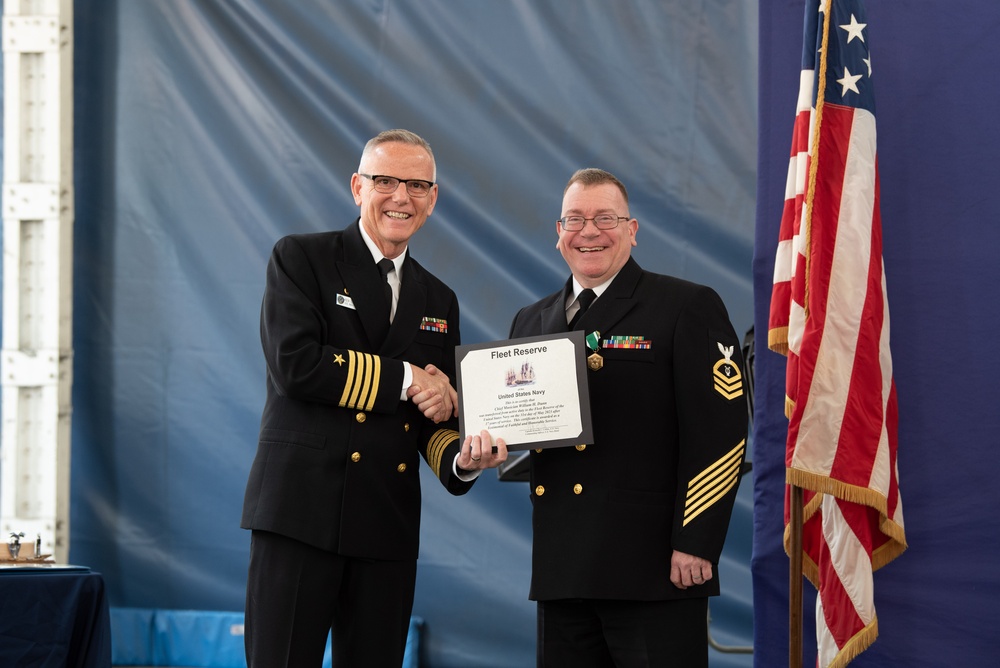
{"x": 628, "y": 530}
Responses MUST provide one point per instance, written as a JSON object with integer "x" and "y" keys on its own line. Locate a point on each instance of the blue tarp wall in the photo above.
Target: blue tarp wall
{"x": 205, "y": 130}
{"x": 935, "y": 74}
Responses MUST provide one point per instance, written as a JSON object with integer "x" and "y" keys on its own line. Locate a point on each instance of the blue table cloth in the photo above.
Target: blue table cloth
{"x": 54, "y": 617}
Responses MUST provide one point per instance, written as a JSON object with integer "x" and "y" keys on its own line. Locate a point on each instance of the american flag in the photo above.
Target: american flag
{"x": 830, "y": 316}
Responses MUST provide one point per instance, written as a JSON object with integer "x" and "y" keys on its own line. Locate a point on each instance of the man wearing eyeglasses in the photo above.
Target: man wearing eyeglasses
{"x": 628, "y": 530}
{"x": 359, "y": 342}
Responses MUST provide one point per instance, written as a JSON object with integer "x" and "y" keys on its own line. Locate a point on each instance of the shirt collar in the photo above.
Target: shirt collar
{"x": 397, "y": 261}
{"x": 598, "y": 289}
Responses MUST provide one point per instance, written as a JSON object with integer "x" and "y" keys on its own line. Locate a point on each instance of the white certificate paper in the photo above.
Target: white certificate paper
{"x": 531, "y": 392}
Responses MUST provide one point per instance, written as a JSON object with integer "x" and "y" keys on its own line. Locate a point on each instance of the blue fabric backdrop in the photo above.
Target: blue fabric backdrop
{"x": 934, "y": 69}
{"x": 207, "y": 130}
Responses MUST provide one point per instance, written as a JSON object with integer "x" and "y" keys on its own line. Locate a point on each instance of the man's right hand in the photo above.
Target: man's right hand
{"x": 433, "y": 394}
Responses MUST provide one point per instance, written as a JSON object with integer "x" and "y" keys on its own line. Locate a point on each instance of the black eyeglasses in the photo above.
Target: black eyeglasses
{"x": 388, "y": 184}
{"x": 605, "y": 221}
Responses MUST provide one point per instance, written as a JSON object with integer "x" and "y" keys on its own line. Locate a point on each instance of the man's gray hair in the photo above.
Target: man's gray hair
{"x": 401, "y": 136}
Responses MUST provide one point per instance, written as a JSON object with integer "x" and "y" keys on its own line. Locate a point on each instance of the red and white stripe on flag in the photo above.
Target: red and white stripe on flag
{"x": 830, "y": 316}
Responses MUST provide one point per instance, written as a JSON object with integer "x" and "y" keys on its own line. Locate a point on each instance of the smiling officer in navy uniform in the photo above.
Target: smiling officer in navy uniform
{"x": 628, "y": 530}
{"x": 359, "y": 341}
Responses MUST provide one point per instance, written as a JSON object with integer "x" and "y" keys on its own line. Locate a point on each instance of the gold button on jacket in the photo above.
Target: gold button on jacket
{"x": 360, "y": 417}
{"x": 539, "y": 490}
{"x": 355, "y": 456}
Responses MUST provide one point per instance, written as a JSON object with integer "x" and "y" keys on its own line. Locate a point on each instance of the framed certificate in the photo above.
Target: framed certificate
{"x": 531, "y": 392}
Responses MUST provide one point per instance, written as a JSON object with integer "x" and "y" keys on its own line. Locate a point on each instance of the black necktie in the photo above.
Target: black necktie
{"x": 586, "y": 298}
{"x": 385, "y": 265}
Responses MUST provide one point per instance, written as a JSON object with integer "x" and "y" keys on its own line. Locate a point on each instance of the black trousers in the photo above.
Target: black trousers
{"x": 589, "y": 633}
{"x": 297, "y": 593}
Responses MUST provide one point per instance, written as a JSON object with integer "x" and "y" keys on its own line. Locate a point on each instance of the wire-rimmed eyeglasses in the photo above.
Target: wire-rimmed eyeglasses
{"x": 605, "y": 221}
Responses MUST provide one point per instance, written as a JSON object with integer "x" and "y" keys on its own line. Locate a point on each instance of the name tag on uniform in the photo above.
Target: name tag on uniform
{"x": 346, "y": 302}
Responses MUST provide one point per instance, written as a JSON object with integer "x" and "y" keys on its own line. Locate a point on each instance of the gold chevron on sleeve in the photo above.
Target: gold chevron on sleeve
{"x": 361, "y": 386}
{"x": 712, "y": 484}
{"x": 440, "y": 441}
{"x": 728, "y": 379}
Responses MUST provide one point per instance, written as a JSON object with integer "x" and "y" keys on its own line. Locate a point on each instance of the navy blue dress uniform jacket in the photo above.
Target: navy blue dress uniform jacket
{"x": 670, "y": 428}
{"x": 338, "y": 456}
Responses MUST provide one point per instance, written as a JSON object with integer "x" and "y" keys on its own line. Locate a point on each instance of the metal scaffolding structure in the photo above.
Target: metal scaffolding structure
{"x": 36, "y": 361}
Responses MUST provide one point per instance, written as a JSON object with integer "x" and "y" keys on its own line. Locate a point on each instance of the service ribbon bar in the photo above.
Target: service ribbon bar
{"x": 637, "y": 342}
{"x": 434, "y": 325}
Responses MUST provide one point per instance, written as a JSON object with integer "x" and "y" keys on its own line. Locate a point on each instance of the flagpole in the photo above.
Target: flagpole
{"x": 795, "y": 579}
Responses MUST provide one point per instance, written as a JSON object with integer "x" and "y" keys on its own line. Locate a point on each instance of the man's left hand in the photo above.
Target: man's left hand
{"x": 687, "y": 570}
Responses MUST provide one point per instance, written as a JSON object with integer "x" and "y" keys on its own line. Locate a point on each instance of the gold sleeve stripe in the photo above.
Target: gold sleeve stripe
{"x": 352, "y": 361}
{"x": 692, "y": 510}
{"x": 373, "y": 372}
{"x": 440, "y": 441}
{"x": 713, "y": 483}
{"x": 703, "y": 490}
{"x": 355, "y": 370}
{"x": 361, "y": 386}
